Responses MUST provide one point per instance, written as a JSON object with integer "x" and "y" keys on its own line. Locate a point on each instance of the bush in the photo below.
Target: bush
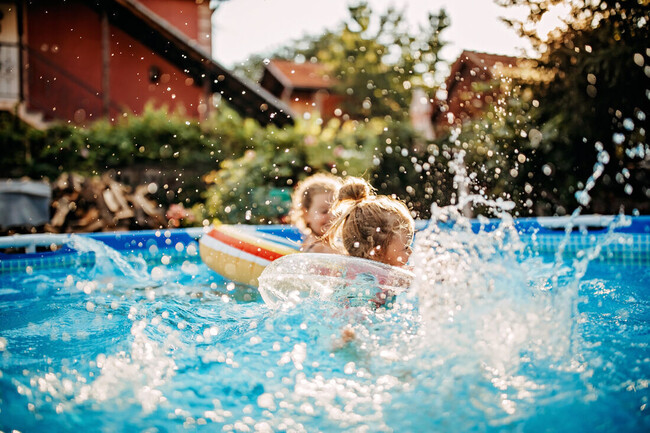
{"x": 257, "y": 186}
{"x": 230, "y": 168}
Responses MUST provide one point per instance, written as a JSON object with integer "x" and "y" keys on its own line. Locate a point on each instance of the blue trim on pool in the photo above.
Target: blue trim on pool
{"x": 542, "y": 235}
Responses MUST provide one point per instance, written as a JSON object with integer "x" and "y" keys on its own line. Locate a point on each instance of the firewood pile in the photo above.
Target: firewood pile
{"x": 91, "y": 204}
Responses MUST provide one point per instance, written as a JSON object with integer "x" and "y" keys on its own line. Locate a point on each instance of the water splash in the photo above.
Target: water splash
{"x": 491, "y": 309}
{"x": 131, "y": 376}
{"x": 132, "y": 271}
{"x": 602, "y": 159}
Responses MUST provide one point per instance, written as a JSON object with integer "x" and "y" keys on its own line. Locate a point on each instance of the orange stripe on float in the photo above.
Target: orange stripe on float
{"x": 244, "y": 246}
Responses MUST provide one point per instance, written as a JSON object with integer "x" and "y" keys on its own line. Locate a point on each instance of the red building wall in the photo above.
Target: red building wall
{"x": 466, "y": 101}
{"x": 130, "y": 84}
{"x": 308, "y": 101}
{"x": 328, "y": 103}
{"x": 64, "y": 66}
{"x": 186, "y": 16}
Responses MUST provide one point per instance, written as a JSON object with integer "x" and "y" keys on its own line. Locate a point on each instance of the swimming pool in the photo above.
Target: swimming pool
{"x": 510, "y": 326}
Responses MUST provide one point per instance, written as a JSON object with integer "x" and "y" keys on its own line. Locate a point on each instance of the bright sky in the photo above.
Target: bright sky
{"x": 245, "y": 27}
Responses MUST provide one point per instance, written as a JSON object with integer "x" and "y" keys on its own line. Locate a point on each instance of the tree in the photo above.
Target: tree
{"x": 593, "y": 111}
{"x": 376, "y": 60}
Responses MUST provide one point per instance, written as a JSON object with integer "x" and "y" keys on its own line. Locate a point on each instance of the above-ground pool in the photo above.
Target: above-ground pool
{"x": 522, "y": 325}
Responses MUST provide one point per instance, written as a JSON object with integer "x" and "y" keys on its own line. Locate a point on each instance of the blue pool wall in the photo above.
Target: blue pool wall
{"x": 627, "y": 245}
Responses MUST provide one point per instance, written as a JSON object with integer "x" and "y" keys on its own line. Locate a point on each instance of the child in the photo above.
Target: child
{"x": 310, "y": 210}
{"x": 373, "y": 227}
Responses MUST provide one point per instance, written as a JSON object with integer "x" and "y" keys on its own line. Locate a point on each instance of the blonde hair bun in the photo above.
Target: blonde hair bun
{"x": 355, "y": 188}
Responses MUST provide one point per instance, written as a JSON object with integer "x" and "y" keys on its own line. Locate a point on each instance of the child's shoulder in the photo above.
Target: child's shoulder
{"x": 315, "y": 245}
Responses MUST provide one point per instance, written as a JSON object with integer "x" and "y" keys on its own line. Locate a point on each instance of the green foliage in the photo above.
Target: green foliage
{"x": 412, "y": 169}
{"x": 596, "y": 101}
{"x": 377, "y": 60}
{"x": 231, "y": 168}
{"x": 257, "y": 186}
{"x": 152, "y": 137}
{"x": 179, "y": 149}
{"x": 505, "y": 157}
{"x": 19, "y": 144}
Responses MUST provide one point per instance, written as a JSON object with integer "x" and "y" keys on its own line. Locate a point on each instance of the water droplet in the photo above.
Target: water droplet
{"x": 638, "y": 59}
{"x": 619, "y": 178}
{"x": 583, "y": 197}
{"x": 157, "y": 272}
{"x": 640, "y": 115}
{"x": 628, "y": 124}
{"x": 266, "y": 401}
{"x": 603, "y": 157}
{"x": 618, "y": 138}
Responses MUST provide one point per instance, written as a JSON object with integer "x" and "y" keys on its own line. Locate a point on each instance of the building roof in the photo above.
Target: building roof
{"x": 486, "y": 66}
{"x": 487, "y": 59}
{"x": 245, "y": 96}
{"x": 494, "y": 64}
{"x": 300, "y": 75}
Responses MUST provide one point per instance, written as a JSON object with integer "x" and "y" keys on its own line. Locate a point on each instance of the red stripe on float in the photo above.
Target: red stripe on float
{"x": 244, "y": 246}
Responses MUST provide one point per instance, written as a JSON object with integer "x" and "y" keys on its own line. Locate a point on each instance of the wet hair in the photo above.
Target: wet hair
{"x": 365, "y": 223}
{"x": 304, "y": 193}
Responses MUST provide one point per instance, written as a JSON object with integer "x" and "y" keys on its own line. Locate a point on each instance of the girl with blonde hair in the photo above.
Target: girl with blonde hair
{"x": 373, "y": 227}
{"x": 311, "y": 210}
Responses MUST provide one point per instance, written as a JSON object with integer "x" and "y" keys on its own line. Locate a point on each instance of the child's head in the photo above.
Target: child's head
{"x": 372, "y": 227}
{"x": 311, "y": 203}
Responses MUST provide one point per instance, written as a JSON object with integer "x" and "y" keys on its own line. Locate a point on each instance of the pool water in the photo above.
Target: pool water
{"x": 491, "y": 337}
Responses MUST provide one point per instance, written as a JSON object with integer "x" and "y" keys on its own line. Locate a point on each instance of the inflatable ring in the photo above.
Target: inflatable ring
{"x": 349, "y": 281}
{"x": 240, "y": 253}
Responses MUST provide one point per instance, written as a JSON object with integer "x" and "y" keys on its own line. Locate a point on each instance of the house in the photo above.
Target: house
{"x": 79, "y": 60}
{"x": 474, "y": 83}
{"x": 305, "y": 87}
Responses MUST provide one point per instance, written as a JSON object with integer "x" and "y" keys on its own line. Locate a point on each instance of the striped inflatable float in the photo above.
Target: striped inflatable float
{"x": 240, "y": 253}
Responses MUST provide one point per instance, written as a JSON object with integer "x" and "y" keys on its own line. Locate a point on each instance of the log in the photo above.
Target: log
{"x": 110, "y": 200}
{"x": 118, "y": 191}
{"x": 91, "y": 216}
{"x": 88, "y": 204}
{"x": 149, "y": 207}
{"x": 62, "y": 209}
